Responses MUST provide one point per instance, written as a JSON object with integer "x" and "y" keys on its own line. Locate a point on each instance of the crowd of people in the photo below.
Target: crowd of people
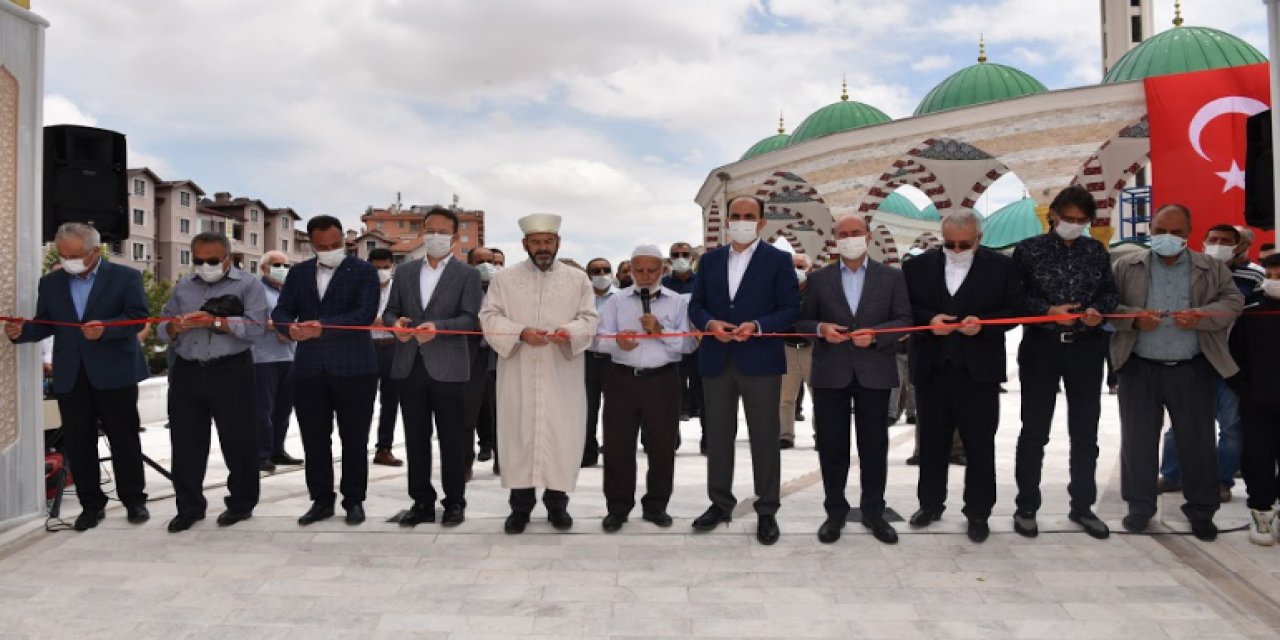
{"x": 545, "y": 368}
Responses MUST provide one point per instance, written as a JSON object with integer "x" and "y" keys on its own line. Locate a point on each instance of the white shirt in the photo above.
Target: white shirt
{"x": 622, "y": 311}
{"x": 323, "y": 276}
{"x": 429, "y": 278}
{"x": 955, "y": 273}
{"x": 384, "y": 295}
{"x": 738, "y": 266}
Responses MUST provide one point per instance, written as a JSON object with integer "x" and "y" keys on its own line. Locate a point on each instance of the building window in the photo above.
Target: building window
{"x": 185, "y": 198}
{"x": 413, "y": 226}
{"x": 1135, "y": 28}
{"x": 139, "y": 217}
{"x": 284, "y": 222}
{"x": 139, "y": 187}
{"x": 400, "y": 225}
{"x": 466, "y": 239}
{"x": 253, "y": 239}
{"x": 184, "y": 226}
{"x": 284, "y": 246}
{"x": 462, "y": 226}
{"x": 370, "y": 245}
{"x": 253, "y": 266}
{"x": 379, "y": 225}
{"x": 139, "y": 251}
{"x": 184, "y": 257}
{"x": 117, "y": 248}
{"x": 253, "y": 215}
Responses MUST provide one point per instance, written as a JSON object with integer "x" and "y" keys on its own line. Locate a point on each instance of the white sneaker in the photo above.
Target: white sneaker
{"x": 1261, "y": 531}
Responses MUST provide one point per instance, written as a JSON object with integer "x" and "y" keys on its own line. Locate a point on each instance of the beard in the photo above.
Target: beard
{"x": 543, "y": 259}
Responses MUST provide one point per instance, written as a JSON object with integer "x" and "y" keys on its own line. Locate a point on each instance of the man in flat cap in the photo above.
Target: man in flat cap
{"x": 539, "y": 318}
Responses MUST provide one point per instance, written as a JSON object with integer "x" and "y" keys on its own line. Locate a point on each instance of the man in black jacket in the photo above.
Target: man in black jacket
{"x": 959, "y": 365}
{"x": 1255, "y": 346}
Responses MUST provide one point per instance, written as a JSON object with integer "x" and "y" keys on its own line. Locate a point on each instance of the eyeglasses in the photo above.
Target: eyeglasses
{"x": 281, "y": 264}
{"x": 958, "y": 246}
{"x": 211, "y": 261}
{"x": 599, "y": 271}
{"x": 681, "y": 254}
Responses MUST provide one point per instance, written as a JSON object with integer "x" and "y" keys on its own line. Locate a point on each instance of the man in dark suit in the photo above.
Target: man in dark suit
{"x": 336, "y": 371}
{"x": 743, "y": 289}
{"x": 844, "y": 303}
{"x": 96, "y": 369}
{"x": 434, "y": 294}
{"x": 959, "y": 365}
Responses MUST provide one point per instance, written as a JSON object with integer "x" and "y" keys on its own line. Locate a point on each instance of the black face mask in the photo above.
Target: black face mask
{"x": 623, "y": 283}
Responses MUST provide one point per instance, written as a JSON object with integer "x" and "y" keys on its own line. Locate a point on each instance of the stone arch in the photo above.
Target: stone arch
{"x": 713, "y": 227}
{"x": 907, "y": 170}
{"x": 790, "y": 235}
{"x": 793, "y": 206}
{"x": 1107, "y": 171}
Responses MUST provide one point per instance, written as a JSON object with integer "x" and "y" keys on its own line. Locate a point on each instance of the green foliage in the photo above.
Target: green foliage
{"x": 158, "y": 292}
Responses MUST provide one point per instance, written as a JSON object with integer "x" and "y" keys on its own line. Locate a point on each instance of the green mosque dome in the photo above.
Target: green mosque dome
{"x": 977, "y": 84}
{"x": 1180, "y": 50}
{"x": 844, "y": 115}
{"x": 772, "y": 143}
{"x": 1011, "y": 224}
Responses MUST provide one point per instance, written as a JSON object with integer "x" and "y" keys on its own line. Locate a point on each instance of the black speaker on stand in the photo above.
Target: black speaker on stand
{"x": 1259, "y": 181}
{"x": 85, "y": 180}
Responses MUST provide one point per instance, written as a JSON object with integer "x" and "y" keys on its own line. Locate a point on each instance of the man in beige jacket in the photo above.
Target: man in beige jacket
{"x": 1169, "y": 358}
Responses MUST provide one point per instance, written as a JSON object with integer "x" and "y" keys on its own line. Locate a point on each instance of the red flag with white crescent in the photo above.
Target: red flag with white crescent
{"x": 1198, "y": 142}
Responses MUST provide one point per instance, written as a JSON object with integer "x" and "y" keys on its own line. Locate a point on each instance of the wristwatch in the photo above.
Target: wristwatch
{"x": 219, "y": 324}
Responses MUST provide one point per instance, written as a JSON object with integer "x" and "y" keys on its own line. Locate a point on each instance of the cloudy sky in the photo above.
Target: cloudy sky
{"x": 610, "y": 112}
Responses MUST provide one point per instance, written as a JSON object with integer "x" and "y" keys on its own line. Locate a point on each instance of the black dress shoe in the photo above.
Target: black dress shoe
{"x": 137, "y": 513}
{"x": 485, "y": 454}
{"x": 958, "y": 459}
{"x": 1135, "y": 524}
{"x": 786, "y": 444}
{"x": 978, "y": 529}
{"x": 1205, "y": 530}
{"x": 911, "y": 420}
{"x": 711, "y": 518}
{"x": 181, "y": 523}
{"x": 612, "y": 523}
{"x": 830, "y": 530}
{"x": 659, "y": 518}
{"x": 267, "y": 466}
{"x": 1024, "y": 523}
{"x": 355, "y": 514}
{"x": 89, "y": 519}
{"x": 516, "y": 522}
{"x": 315, "y": 514}
{"x": 881, "y": 529}
{"x": 1093, "y": 526}
{"x": 284, "y": 458}
{"x": 453, "y": 516}
{"x": 229, "y": 517}
{"x": 767, "y": 531}
{"x": 560, "y": 519}
{"x": 913, "y": 461}
{"x": 924, "y": 517}
{"x": 418, "y": 514}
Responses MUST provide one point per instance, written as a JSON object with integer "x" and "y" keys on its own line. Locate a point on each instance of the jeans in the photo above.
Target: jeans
{"x": 1230, "y": 441}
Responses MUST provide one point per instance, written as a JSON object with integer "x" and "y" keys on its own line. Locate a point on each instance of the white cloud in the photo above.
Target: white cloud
{"x": 59, "y": 109}
{"x": 932, "y": 63}
{"x": 1023, "y": 55}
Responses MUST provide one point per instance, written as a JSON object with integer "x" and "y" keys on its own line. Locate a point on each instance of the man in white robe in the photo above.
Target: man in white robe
{"x": 539, "y": 317}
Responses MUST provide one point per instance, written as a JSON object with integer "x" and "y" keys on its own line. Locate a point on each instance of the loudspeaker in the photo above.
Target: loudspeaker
{"x": 1259, "y": 181}
{"x": 85, "y": 180}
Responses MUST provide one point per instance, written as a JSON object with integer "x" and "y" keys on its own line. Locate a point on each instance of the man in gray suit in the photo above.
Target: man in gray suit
{"x": 431, "y": 295}
{"x": 844, "y": 304}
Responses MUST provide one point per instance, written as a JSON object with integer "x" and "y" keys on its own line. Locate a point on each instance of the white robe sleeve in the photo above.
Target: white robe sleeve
{"x": 582, "y": 329}
{"x": 501, "y": 333}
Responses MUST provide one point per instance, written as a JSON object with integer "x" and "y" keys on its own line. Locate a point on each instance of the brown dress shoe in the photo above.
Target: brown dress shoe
{"x": 383, "y": 457}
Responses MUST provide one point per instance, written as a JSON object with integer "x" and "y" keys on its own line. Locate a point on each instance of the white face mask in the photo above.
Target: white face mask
{"x": 210, "y": 273}
{"x": 601, "y": 282}
{"x": 959, "y": 257}
{"x": 681, "y": 265}
{"x": 801, "y": 275}
{"x": 437, "y": 245}
{"x": 743, "y": 231}
{"x": 852, "y": 248}
{"x": 1069, "y": 230}
{"x": 1167, "y": 245}
{"x": 279, "y": 274}
{"x": 384, "y": 276}
{"x": 1223, "y": 252}
{"x": 1271, "y": 288}
{"x": 331, "y": 258}
{"x": 486, "y": 271}
{"x": 74, "y": 267}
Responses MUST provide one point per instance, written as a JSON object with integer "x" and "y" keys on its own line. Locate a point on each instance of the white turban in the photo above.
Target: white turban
{"x": 540, "y": 223}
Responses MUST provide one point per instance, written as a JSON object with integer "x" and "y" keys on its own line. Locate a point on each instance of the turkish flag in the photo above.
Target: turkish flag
{"x": 1198, "y": 143}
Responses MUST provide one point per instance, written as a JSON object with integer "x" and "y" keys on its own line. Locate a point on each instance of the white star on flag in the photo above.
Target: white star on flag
{"x": 1232, "y": 178}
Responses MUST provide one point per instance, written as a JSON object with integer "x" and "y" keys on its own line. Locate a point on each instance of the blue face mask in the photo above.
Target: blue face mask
{"x": 1167, "y": 245}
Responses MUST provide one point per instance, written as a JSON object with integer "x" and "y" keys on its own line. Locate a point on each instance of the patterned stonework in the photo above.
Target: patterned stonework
{"x": 8, "y": 250}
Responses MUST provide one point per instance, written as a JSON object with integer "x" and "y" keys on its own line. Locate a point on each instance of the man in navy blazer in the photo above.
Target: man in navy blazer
{"x": 743, "y": 289}
{"x": 958, "y": 366}
{"x": 335, "y": 370}
{"x": 96, "y": 369}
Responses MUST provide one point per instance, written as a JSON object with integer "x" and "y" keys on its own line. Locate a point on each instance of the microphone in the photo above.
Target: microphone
{"x": 644, "y": 300}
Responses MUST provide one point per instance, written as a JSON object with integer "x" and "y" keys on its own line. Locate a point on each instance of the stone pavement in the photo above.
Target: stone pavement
{"x": 268, "y": 577}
